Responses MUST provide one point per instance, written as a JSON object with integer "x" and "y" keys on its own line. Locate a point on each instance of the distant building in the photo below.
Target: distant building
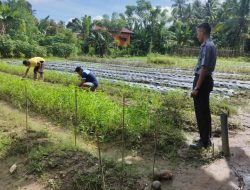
{"x": 121, "y": 39}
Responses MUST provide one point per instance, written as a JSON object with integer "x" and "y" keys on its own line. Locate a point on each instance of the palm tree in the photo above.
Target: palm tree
{"x": 81, "y": 26}
{"x": 179, "y": 7}
{"x": 6, "y": 15}
{"x": 235, "y": 27}
{"x": 210, "y": 11}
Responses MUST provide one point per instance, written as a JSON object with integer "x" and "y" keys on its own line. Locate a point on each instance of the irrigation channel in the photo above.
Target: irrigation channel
{"x": 160, "y": 79}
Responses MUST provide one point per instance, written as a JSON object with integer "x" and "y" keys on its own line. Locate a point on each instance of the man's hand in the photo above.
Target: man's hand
{"x": 194, "y": 93}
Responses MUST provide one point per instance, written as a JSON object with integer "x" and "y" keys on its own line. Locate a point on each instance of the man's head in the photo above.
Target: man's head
{"x": 78, "y": 70}
{"x": 203, "y": 32}
{"x": 26, "y": 63}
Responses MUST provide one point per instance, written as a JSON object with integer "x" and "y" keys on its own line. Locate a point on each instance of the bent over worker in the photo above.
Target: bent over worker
{"x": 88, "y": 79}
{"x": 203, "y": 85}
{"x": 38, "y": 64}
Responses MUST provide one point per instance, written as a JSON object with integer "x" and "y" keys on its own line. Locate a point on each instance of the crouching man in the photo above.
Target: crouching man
{"x": 88, "y": 79}
{"x": 38, "y": 64}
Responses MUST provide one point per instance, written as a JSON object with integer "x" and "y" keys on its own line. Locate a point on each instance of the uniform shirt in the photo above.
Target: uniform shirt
{"x": 33, "y": 61}
{"x": 87, "y": 76}
{"x": 207, "y": 57}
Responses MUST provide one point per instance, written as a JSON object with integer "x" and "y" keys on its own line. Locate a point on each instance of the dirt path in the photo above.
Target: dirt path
{"x": 221, "y": 174}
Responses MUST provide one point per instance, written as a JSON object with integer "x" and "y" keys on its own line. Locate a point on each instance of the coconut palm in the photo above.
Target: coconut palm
{"x": 237, "y": 26}
{"x": 179, "y": 7}
{"x": 6, "y": 15}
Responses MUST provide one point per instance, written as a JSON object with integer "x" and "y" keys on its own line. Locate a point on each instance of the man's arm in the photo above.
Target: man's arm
{"x": 39, "y": 64}
{"x": 26, "y": 72}
{"x": 82, "y": 82}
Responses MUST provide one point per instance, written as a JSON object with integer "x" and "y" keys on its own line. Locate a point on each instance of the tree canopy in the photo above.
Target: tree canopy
{"x": 155, "y": 29}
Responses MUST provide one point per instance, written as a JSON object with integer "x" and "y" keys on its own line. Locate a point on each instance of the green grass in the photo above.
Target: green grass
{"x": 5, "y": 140}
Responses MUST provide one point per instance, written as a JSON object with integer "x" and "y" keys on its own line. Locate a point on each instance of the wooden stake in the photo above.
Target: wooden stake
{"x": 27, "y": 107}
{"x": 76, "y": 114}
{"x": 100, "y": 161}
{"x": 123, "y": 139}
{"x": 155, "y": 147}
{"x": 123, "y": 128}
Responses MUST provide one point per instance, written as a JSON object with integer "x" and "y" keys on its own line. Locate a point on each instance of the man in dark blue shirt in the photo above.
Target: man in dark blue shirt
{"x": 203, "y": 85}
{"x": 88, "y": 79}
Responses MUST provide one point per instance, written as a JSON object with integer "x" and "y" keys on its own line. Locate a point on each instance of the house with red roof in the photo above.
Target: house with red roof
{"x": 121, "y": 39}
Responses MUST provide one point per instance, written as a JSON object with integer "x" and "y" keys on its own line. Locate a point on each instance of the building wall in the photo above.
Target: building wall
{"x": 122, "y": 40}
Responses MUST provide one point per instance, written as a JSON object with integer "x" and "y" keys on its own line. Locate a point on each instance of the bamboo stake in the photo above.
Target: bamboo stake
{"x": 123, "y": 128}
{"x": 27, "y": 107}
{"x": 123, "y": 139}
{"x": 100, "y": 161}
{"x": 155, "y": 147}
{"x": 76, "y": 114}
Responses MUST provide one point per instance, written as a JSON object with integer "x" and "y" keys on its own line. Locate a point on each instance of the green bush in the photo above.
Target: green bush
{"x": 61, "y": 49}
{"x": 28, "y": 50}
{"x": 7, "y": 46}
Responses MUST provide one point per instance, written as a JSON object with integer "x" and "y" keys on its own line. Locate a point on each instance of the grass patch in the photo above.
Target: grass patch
{"x": 160, "y": 59}
{"x": 4, "y": 142}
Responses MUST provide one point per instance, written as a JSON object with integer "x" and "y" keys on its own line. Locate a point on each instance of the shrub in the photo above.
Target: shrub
{"x": 62, "y": 49}
{"x": 7, "y": 46}
{"x": 28, "y": 50}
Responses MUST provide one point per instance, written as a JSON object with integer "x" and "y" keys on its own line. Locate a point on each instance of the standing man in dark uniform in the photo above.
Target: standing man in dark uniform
{"x": 88, "y": 79}
{"x": 203, "y": 85}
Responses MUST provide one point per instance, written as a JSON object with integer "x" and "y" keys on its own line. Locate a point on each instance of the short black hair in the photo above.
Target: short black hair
{"x": 25, "y": 62}
{"x": 206, "y": 27}
{"x": 78, "y": 69}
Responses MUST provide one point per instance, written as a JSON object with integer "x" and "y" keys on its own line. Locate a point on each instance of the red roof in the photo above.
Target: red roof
{"x": 125, "y": 30}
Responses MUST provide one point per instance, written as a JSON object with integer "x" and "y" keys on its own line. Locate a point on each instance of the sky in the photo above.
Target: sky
{"x": 65, "y": 10}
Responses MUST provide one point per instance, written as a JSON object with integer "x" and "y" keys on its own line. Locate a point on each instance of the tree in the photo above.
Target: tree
{"x": 179, "y": 7}
{"x": 6, "y": 16}
{"x": 81, "y": 26}
{"x": 234, "y": 27}
{"x": 101, "y": 40}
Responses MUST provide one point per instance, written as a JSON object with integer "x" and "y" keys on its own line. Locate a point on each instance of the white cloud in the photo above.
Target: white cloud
{"x": 98, "y": 17}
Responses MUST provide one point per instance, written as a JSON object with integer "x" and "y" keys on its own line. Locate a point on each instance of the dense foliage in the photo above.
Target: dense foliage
{"x": 23, "y": 35}
{"x": 155, "y": 29}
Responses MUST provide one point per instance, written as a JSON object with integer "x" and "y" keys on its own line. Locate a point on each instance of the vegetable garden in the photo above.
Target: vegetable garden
{"x": 102, "y": 111}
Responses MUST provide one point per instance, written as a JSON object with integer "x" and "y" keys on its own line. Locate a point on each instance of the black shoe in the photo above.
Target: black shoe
{"x": 197, "y": 145}
{"x": 208, "y": 145}
{"x": 196, "y": 141}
